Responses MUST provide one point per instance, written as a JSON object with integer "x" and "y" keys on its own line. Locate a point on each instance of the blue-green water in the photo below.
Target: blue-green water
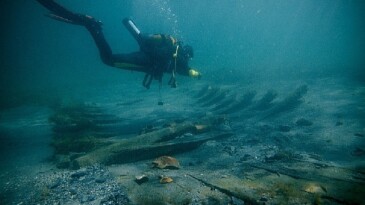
{"x": 242, "y": 39}
{"x": 261, "y": 45}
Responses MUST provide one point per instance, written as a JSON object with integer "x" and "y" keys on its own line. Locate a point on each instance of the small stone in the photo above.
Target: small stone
{"x": 73, "y": 191}
{"x": 100, "y": 179}
{"x": 141, "y": 179}
{"x": 284, "y": 128}
{"x": 55, "y": 184}
{"x": 314, "y": 188}
{"x": 166, "y": 162}
{"x": 359, "y": 135}
{"x": 91, "y": 198}
{"x": 188, "y": 135}
{"x": 245, "y": 157}
{"x": 87, "y": 198}
{"x": 303, "y": 122}
{"x": 84, "y": 198}
{"x": 358, "y": 152}
{"x": 79, "y": 174}
{"x": 264, "y": 199}
{"x": 86, "y": 179}
{"x": 236, "y": 201}
{"x": 230, "y": 150}
{"x": 165, "y": 179}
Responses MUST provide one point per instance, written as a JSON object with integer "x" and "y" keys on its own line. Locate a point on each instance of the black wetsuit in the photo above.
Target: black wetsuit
{"x": 155, "y": 57}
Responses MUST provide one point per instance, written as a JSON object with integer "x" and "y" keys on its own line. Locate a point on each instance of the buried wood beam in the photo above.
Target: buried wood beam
{"x": 149, "y": 145}
{"x": 245, "y": 198}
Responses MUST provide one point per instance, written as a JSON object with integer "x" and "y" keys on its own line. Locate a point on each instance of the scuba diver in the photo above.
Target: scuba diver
{"x": 158, "y": 54}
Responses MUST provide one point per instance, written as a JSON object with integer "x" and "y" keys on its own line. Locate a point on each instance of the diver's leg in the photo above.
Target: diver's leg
{"x": 105, "y": 51}
{"x": 136, "y": 61}
{"x": 92, "y": 25}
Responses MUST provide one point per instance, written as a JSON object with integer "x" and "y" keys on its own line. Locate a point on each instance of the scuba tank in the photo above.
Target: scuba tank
{"x": 132, "y": 28}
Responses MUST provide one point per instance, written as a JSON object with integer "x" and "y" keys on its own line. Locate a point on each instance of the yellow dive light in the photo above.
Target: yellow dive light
{"x": 193, "y": 73}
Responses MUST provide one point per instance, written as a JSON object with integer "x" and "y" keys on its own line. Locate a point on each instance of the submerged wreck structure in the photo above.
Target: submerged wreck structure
{"x": 229, "y": 169}
{"x": 83, "y": 137}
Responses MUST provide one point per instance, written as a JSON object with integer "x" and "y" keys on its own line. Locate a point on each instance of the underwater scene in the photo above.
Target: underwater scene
{"x": 170, "y": 102}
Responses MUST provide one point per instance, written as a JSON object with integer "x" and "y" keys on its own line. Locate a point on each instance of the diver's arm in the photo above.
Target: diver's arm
{"x": 183, "y": 68}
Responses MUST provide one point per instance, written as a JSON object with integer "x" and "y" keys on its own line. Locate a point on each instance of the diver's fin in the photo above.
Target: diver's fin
{"x": 78, "y": 19}
{"x": 60, "y": 13}
{"x": 172, "y": 82}
{"x": 147, "y": 81}
{"x": 60, "y": 18}
{"x": 56, "y": 9}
